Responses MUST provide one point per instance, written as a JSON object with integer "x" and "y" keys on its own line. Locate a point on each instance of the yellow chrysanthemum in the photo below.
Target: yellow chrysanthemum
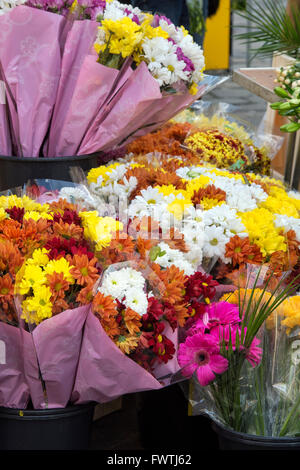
{"x": 38, "y": 307}
{"x": 193, "y": 89}
{"x": 3, "y": 214}
{"x": 103, "y": 171}
{"x": 100, "y": 230}
{"x": 33, "y": 277}
{"x": 291, "y": 312}
{"x": 39, "y": 257}
{"x": 280, "y": 206}
{"x": 208, "y": 203}
{"x": 166, "y": 190}
{"x": 197, "y": 183}
{"x": 178, "y": 207}
{"x": 122, "y": 36}
{"x": 262, "y": 231}
{"x": 34, "y": 215}
{"x": 60, "y": 266}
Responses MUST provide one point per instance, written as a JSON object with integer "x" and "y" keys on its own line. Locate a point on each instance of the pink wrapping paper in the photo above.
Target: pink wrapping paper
{"x": 14, "y": 391}
{"x": 163, "y": 109}
{"x": 105, "y": 373}
{"x": 5, "y": 139}
{"x": 31, "y": 371}
{"x": 57, "y": 342}
{"x": 30, "y": 52}
{"x": 93, "y": 85}
{"x": 126, "y": 110}
{"x": 78, "y": 45}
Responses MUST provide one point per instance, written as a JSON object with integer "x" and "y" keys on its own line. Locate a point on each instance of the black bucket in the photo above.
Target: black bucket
{"x": 232, "y": 440}
{"x": 52, "y": 429}
{"x": 15, "y": 171}
{"x": 170, "y": 406}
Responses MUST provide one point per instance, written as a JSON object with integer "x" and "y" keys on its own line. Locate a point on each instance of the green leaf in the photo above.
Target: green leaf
{"x": 281, "y": 92}
{"x": 290, "y": 127}
{"x": 275, "y": 105}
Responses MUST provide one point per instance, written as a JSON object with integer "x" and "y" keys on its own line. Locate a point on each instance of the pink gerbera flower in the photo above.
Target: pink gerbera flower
{"x": 218, "y": 314}
{"x": 201, "y": 354}
{"x": 227, "y": 333}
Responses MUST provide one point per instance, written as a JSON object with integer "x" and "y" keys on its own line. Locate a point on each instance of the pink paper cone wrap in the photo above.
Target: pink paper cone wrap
{"x": 57, "y": 343}
{"x": 127, "y": 108}
{"x": 78, "y": 46}
{"x": 105, "y": 373}
{"x": 30, "y": 53}
{"x": 14, "y": 391}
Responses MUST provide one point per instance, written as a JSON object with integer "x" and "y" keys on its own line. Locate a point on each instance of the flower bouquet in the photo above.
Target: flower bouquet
{"x": 210, "y": 133}
{"x": 245, "y": 358}
{"x": 97, "y": 55}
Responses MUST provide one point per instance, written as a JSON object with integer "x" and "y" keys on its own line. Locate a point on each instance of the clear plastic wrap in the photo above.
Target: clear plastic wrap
{"x": 225, "y": 118}
{"x": 250, "y": 381}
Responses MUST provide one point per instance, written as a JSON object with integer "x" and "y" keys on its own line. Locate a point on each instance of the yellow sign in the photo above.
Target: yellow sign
{"x": 217, "y": 38}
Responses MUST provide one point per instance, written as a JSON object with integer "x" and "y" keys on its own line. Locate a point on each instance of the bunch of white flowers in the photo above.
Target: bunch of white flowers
{"x": 128, "y": 286}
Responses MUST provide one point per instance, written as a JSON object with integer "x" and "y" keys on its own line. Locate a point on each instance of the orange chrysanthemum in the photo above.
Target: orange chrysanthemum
{"x": 85, "y": 296}
{"x": 84, "y": 270}
{"x": 68, "y": 230}
{"x": 144, "y": 227}
{"x": 58, "y": 285}
{"x": 175, "y": 240}
{"x": 6, "y": 286}
{"x": 163, "y": 179}
{"x": 144, "y": 246}
{"x": 10, "y": 257}
{"x": 132, "y": 321}
{"x": 59, "y": 305}
{"x": 61, "y": 205}
{"x": 210, "y": 192}
{"x": 172, "y": 282}
{"x": 104, "y": 305}
{"x": 241, "y": 250}
{"x": 127, "y": 344}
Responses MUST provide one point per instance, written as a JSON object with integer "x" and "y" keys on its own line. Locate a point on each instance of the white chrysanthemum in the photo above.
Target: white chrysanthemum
{"x": 114, "y": 284}
{"x": 113, "y": 11}
{"x": 295, "y": 195}
{"x": 117, "y": 173}
{"x": 133, "y": 278}
{"x": 163, "y": 63}
{"x": 77, "y": 194}
{"x": 219, "y": 215}
{"x": 288, "y": 223}
{"x": 136, "y": 300}
{"x": 215, "y": 241}
{"x": 175, "y": 258}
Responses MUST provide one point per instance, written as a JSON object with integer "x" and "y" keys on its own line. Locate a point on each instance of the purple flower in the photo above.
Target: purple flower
{"x": 134, "y": 18}
{"x": 189, "y": 66}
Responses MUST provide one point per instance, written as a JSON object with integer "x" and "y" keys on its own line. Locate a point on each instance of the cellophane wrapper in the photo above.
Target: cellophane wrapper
{"x": 226, "y": 118}
{"x": 270, "y": 392}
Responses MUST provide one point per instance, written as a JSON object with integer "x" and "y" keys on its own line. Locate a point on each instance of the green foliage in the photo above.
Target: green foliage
{"x": 197, "y": 23}
{"x": 272, "y": 27}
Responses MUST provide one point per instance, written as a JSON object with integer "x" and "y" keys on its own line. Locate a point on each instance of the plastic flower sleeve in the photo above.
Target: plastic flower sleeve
{"x": 125, "y": 356}
{"x": 276, "y": 385}
{"x": 232, "y": 351}
{"x": 259, "y": 147}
